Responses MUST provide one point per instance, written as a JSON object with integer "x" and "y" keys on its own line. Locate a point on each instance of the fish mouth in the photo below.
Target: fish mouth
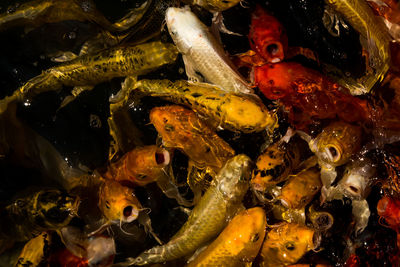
{"x": 162, "y": 157}
{"x": 273, "y": 52}
{"x": 332, "y": 153}
{"x": 129, "y": 214}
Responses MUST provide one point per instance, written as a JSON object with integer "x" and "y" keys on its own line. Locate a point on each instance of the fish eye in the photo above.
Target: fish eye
{"x": 141, "y": 176}
{"x": 108, "y": 206}
{"x": 255, "y": 238}
{"x": 290, "y": 246}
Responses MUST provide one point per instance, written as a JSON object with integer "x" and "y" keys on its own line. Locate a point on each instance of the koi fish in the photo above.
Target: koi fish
{"x": 389, "y": 209}
{"x": 89, "y": 70}
{"x": 39, "y": 12}
{"x": 202, "y": 53}
{"x": 219, "y": 203}
{"x": 41, "y": 211}
{"x": 333, "y": 147}
{"x": 274, "y": 165}
{"x": 182, "y": 128}
{"x": 117, "y": 202}
{"x": 300, "y": 189}
{"x": 374, "y": 37}
{"x": 267, "y": 36}
{"x": 230, "y": 111}
{"x": 308, "y": 95}
{"x": 214, "y": 5}
{"x": 286, "y": 244}
{"x": 238, "y": 243}
{"x": 35, "y": 252}
{"x": 140, "y": 166}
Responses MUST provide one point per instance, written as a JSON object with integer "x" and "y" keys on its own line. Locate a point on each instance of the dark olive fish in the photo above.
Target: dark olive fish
{"x": 41, "y": 211}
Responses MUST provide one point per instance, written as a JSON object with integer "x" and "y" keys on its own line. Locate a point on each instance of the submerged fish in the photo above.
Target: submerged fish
{"x": 389, "y": 209}
{"x": 238, "y": 244}
{"x": 35, "y": 252}
{"x": 220, "y": 202}
{"x": 95, "y": 250}
{"x": 228, "y": 110}
{"x": 214, "y": 5}
{"x": 374, "y": 38}
{"x": 41, "y": 211}
{"x": 89, "y": 70}
{"x": 202, "y": 53}
{"x": 286, "y": 244}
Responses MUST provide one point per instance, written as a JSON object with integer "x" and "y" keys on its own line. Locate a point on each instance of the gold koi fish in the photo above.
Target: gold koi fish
{"x": 214, "y": 5}
{"x": 140, "y": 166}
{"x": 301, "y": 188}
{"x": 41, "y": 211}
{"x": 238, "y": 244}
{"x": 220, "y": 202}
{"x": 88, "y": 70}
{"x": 286, "y": 244}
{"x": 231, "y": 111}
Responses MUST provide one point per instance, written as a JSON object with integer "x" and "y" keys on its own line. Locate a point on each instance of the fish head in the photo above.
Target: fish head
{"x": 287, "y": 243}
{"x": 184, "y": 27}
{"x": 54, "y": 208}
{"x": 357, "y": 179}
{"x": 117, "y": 202}
{"x": 337, "y": 143}
{"x": 172, "y": 123}
{"x": 145, "y": 164}
{"x": 389, "y": 209}
{"x": 301, "y": 188}
{"x": 246, "y": 233}
{"x": 267, "y": 36}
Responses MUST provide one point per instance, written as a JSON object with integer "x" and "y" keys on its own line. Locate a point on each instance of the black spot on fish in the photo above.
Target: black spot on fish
{"x": 196, "y": 94}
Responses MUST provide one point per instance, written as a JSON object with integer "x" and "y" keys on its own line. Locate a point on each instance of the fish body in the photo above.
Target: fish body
{"x": 274, "y": 165}
{"x": 140, "y": 166}
{"x": 308, "y": 95}
{"x": 117, "y": 202}
{"x": 181, "y": 128}
{"x": 202, "y": 52}
{"x": 238, "y": 243}
{"x": 214, "y": 5}
{"x": 41, "y": 211}
{"x": 103, "y": 66}
{"x": 220, "y": 108}
{"x": 286, "y": 244}
{"x": 373, "y": 32}
{"x": 35, "y": 252}
{"x": 301, "y": 188}
{"x": 267, "y": 36}
{"x": 219, "y": 203}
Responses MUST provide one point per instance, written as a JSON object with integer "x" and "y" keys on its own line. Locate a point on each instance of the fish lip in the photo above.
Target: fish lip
{"x": 165, "y": 155}
{"x": 134, "y": 214}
